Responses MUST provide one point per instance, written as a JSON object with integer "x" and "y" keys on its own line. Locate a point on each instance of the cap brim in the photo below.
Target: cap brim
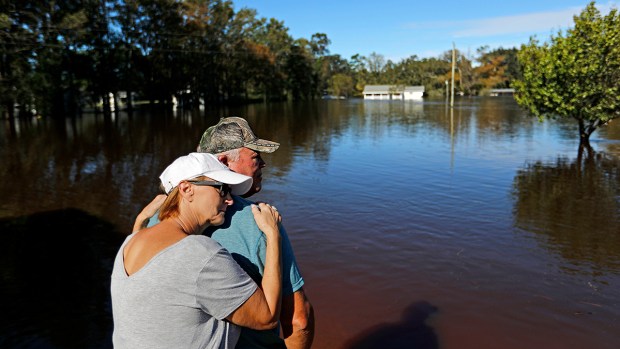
{"x": 262, "y": 145}
{"x": 239, "y": 184}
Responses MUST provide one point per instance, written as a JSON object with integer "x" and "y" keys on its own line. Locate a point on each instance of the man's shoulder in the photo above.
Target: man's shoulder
{"x": 239, "y": 211}
{"x": 239, "y": 218}
{"x": 240, "y": 203}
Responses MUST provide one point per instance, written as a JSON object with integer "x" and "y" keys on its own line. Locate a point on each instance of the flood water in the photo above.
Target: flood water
{"x": 415, "y": 225}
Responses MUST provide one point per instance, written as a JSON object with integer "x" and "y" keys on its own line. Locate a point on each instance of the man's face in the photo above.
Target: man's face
{"x": 250, "y": 164}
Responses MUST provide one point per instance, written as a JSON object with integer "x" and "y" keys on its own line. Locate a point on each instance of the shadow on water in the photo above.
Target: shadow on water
{"x": 411, "y": 332}
{"x": 573, "y": 209}
{"x": 55, "y": 291}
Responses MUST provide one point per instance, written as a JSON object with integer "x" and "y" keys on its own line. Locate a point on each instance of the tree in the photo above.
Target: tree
{"x": 273, "y": 34}
{"x": 299, "y": 72}
{"x": 341, "y": 85}
{"x": 376, "y": 65}
{"x": 497, "y": 68}
{"x": 574, "y": 75}
{"x": 17, "y": 48}
{"x": 319, "y": 43}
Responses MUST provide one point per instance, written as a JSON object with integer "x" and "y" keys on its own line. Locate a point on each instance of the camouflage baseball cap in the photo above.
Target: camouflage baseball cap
{"x": 231, "y": 133}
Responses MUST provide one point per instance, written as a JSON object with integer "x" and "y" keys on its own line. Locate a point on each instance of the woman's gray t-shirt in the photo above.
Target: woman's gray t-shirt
{"x": 180, "y": 298}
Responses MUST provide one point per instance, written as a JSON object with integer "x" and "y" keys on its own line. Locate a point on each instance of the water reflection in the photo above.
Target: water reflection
{"x": 65, "y": 160}
{"x": 573, "y": 208}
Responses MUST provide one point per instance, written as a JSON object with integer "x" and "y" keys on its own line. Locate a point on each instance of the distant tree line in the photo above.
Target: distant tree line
{"x": 58, "y": 58}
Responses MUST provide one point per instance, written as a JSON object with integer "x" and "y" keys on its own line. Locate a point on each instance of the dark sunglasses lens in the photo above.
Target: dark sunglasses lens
{"x": 225, "y": 190}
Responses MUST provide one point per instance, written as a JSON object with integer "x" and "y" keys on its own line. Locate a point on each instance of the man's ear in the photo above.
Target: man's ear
{"x": 223, "y": 159}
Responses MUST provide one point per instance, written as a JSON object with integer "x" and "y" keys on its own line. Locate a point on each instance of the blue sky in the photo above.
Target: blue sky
{"x": 398, "y": 29}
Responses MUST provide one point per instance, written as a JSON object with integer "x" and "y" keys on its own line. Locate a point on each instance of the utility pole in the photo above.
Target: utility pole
{"x": 453, "y": 65}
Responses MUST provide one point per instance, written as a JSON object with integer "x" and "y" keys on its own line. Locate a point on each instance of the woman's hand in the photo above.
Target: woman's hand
{"x": 267, "y": 217}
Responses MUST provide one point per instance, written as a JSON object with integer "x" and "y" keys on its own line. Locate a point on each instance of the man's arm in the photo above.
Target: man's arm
{"x": 297, "y": 319}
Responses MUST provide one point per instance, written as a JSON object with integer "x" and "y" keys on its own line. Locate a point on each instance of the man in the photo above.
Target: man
{"x": 236, "y": 146}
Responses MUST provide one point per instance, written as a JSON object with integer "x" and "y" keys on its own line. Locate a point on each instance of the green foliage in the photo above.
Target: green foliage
{"x": 341, "y": 85}
{"x": 576, "y": 74}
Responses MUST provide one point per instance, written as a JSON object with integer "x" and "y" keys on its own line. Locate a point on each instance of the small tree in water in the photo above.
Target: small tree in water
{"x": 574, "y": 75}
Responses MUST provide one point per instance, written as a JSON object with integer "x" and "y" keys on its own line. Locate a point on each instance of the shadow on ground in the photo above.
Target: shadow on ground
{"x": 411, "y": 332}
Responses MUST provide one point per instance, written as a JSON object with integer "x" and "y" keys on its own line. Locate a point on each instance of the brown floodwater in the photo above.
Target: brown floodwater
{"x": 415, "y": 225}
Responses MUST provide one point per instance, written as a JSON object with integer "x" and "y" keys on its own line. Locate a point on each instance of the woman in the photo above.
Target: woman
{"x": 175, "y": 288}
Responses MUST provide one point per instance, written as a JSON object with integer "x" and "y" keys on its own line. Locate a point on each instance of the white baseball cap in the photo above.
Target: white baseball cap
{"x": 203, "y": 164}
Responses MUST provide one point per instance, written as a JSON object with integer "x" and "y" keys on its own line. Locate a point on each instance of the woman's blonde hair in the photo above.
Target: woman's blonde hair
{"x": 170, "y": 207}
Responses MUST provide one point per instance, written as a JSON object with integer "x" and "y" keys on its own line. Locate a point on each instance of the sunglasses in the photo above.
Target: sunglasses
{"x": 223, "y": 188}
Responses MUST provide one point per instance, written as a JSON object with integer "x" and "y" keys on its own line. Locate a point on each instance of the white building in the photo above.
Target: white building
{"x": 414, "y": 92}
{"x": 393, "y": 92}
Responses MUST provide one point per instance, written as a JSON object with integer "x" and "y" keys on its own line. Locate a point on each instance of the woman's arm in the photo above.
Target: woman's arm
{"x": 142, "y": 220}
{"x": 262, "y": 310}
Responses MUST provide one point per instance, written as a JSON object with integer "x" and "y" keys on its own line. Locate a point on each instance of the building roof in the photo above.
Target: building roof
{"x": 414, "y": 88}
{"x": 392, "y": 89}
{"x": 376, "y": 88}
{"x": 502, "y": 90}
